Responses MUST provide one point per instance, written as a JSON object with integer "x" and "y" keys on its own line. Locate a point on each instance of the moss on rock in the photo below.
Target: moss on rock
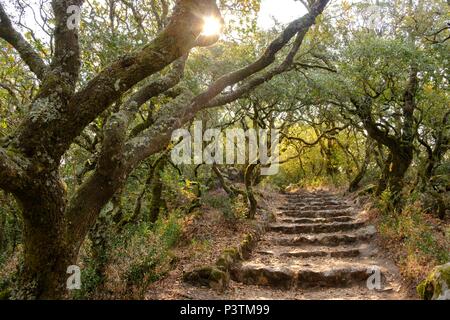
{"x": 218, "y": 275}
{"x": 247, "y": 245}
{"x": 228, "y": 258}
{"x": 211, "y": 277}
{"x": 5, "y": 294}
{"x": 437, "y": 285}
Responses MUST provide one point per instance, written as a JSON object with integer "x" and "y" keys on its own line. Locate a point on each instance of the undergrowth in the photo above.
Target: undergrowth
{"x": 417, "y": 240}
{"x": 139, "y": 256}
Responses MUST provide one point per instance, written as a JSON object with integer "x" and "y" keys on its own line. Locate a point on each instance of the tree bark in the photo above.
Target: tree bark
{"x": 47, "y": 254}
{"x": 249, "y": 190}
{"x": 354, "y": 184}
{"x": 156, "y": 187}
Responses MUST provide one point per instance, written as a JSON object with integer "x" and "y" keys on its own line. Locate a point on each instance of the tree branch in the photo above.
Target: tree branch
{"x": 181, "y": 35}
{"x": 25, "y": 50}
{"x": 363, "y": 111}
{"x": 101, "y": 186}
{"x": 286, "y": 65}
{"x": 110, "y": 171}
{"x": 322, "y": 135}
{"x": 66, "y": 59}
{"x": 176, "y": 116}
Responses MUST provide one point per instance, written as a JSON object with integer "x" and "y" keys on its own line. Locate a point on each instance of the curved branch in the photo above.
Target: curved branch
{"x": 25, "y": 50}
{"x": 363, "y": 111}
{"x": 323, "y": 135}
{"x": 180, "y": 36}
{"x": 175, "y": 116}
{"x": 286, "y": 65}
{"x": 296, "y": 27}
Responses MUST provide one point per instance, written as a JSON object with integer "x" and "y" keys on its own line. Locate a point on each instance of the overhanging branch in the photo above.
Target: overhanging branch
{"x": 25, "y": 50}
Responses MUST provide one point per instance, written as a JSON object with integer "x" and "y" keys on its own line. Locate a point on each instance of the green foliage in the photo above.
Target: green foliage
{"x": 385, "y": 202}
{"x": 145, "y": 269}
{"x": 155, "y": 257}
{"x": 169, "y": 230}
{"x": 221, "y": 202}
{"x": 136, "y": 257}
{"x": 10, "y": 228}
{"x": 90, "y": 280}
{"x": 232, "y": 209}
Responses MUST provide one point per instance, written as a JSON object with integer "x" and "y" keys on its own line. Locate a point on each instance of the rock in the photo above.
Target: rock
{"x": 316, "y": 227}
{"x": 333, "y": 277}
{"x": 5, "y": 294}
{"x": 218, "y": 275}
{"x": 254, "y": 274}
{"x": 247, "y": 245}
{"x": 211, "y": 277}
{"x": 437, "y": 285}
{"x": 228, "y": 258}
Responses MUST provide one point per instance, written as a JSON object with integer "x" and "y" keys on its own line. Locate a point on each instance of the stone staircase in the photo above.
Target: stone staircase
{"x": 318, "y": 241}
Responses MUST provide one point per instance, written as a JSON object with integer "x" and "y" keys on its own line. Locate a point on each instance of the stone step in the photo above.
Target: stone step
{"x": 315, "y": 220}
{"x": 317, "y": 213}
{"x": 316, "y": 228}
{"x": 313, "y": 200}
{"x": 297, "y": 276}
{"x": 323, "y": 239}
{"x": 282, "y": 255}
{"x": 311, "y": 196}
{"x": 315, "y": 203}
{"x": 314, "y": 251}
{"x": 315, "y": 208}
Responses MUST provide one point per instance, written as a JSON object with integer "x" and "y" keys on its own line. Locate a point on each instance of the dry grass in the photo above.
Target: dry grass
{"x": 415, "y": 240}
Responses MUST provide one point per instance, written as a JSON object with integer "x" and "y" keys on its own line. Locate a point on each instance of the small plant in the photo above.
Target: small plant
{"x": 90, "y": 281}
{"x": 385, "y": 201}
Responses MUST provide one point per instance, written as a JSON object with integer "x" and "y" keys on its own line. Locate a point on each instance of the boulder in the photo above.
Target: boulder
{"x": 211, "y": 277}
{"x": 437, "y": 285}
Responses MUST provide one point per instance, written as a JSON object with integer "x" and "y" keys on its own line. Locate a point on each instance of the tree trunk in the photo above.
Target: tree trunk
{"x": 249, "y": 188}
{"x": 47, "y": 255}
{"x": 100, "y": 247}
{"x": 354, "y": 184}
{"x": 3, "y": 242}
{"x": 156, "y": 187}
{"x": 396, "y": 166}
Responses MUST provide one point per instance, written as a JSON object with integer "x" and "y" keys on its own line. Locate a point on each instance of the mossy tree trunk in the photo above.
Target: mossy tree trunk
{"x": 354, "y": 184}
{"x": 249, "y": 190}
{"x": 47, "y": 254}
{"x": 156, "y": 188}
{"x": 400, "y": 148}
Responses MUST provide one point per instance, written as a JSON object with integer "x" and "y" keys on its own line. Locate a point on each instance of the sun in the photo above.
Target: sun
{"x": 211, "y": 26}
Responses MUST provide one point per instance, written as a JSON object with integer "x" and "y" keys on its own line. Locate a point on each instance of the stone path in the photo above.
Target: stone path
{"x": 320, "y": 247}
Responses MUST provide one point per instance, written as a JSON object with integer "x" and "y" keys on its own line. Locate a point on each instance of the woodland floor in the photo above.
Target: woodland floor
{"x": 320, "y": 246}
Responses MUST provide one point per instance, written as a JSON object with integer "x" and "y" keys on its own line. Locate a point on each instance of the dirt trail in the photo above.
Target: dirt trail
{"x": 319, "y": 247}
